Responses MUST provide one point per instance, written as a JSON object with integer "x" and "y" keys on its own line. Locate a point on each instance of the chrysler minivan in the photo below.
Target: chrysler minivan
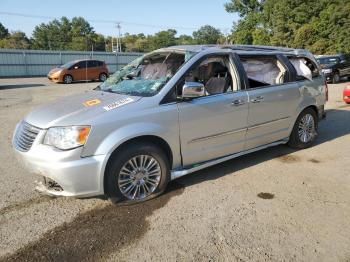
{"x": 170, "y": 113}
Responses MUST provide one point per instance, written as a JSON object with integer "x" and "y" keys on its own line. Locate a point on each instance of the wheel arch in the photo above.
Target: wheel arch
{"x": 152, "y": 139}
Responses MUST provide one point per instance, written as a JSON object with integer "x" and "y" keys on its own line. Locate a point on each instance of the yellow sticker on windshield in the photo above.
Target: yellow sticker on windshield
{"x": 92, "y": 102}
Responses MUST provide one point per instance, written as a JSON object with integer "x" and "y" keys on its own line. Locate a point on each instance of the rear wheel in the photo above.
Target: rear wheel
{"x": 137, "y": 173}
{"x": 67, "y": 79}
{"x": 305, "y": 130}
{"x": 102, "y": 77}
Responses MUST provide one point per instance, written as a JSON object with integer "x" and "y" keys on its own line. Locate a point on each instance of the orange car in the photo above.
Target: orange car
{"x": 79, "y": 70}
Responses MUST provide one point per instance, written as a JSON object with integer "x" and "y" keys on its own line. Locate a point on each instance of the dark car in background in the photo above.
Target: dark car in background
{"x": 334, "y": 67}
{"x": 79, "y": 70}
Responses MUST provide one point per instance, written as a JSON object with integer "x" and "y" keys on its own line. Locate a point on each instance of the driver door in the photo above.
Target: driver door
{"x": 213, "y": 125}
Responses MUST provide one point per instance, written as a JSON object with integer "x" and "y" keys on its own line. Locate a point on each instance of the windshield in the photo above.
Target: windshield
{"x": 68, "y": 65}
{"x": 145, "y": 76}
{"x": 328, "y": 60}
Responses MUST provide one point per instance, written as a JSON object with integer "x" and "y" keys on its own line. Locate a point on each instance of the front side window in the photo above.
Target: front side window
{"x": 214, "y": 73}
{"x": 81, "y": 65}
{"x": 263, "y": 71}
{"x": 145, "y": 76}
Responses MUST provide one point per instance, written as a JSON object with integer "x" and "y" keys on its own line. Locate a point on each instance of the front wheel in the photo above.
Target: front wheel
{"x": 137, "y": 173}
{"x": 67, "y": 79}
{"x": 305, "y": 130}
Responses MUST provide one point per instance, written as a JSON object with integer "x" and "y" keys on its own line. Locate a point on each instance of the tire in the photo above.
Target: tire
{"x": 67, "y": 79}
{"x": 304, "y": 132}
{"x": 102, "y": 77}
{"x": 122, "y": 185}
{"x": 336, "y": 78}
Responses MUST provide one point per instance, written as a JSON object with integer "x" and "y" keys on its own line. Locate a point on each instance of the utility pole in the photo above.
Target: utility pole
{"x": 119, "y": 40}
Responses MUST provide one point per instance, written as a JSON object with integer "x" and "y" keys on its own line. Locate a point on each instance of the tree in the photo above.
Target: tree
{"x": 3, "y": 32}
{"x": 64, "y": 34}
{"x": 162, "y": 39}
{"x": 17, "y": 40}
{"x": 207, "y": 35}
{"x": 185, "y": 40}
{"x": 244, "y": 30}
{"x": 318, "y": 25}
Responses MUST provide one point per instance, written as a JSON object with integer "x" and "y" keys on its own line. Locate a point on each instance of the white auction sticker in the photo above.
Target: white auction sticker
{"x": 118, "y": 103}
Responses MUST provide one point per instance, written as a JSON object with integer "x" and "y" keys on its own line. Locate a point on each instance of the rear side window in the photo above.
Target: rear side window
{"x": 304, "y": 67}
{"x": 264, "y": 71}
{"x": 92, "y": 63}
{"x": 99, "y": 63}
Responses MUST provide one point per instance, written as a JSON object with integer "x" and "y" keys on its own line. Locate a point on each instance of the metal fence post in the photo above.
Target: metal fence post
{"x": 25, "y": 63}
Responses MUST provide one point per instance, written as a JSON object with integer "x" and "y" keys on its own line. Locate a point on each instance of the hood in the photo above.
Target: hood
{"x": 52, "y": 71}
{"x": 78, "y": 109}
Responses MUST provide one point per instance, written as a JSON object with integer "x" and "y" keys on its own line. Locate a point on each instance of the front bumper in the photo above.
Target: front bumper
{"x": 76, "y": 176}
{"x": 54, "y": 78}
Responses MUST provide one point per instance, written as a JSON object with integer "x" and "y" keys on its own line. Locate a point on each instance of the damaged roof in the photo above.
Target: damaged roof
{"x": 238, "y": 48}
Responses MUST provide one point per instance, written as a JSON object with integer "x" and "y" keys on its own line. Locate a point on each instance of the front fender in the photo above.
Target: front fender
{"x": 125, "y": 133}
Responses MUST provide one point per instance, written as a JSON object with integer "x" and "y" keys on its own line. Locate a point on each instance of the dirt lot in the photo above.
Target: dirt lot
{"x": 273, "y": 205}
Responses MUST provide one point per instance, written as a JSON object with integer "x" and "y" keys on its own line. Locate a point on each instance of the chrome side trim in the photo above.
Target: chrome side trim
{"x": 268, "y": 122}
{"x": 179, "y": 173}
{"x": 217, "y": 135}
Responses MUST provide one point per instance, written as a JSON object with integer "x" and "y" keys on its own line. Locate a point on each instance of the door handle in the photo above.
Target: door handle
{"x": 258, "y": 99}
{"x": 238, "y": 102}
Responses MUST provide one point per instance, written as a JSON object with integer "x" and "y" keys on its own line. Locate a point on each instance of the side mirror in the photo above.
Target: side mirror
{"x": 193, "y": 90}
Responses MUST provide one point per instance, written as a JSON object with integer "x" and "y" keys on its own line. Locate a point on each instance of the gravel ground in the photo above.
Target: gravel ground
{"x": 274, "y": 205}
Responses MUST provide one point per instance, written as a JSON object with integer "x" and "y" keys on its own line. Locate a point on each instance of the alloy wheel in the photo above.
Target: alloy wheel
{"x": 306, "y": 128}
{"x": 139, "y": 177}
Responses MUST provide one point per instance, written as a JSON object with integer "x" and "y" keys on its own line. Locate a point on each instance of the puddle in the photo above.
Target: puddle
{"x": 288, "y": 159}
{"x": 24, "y": 204}
{"x": 313, "y": 160}
{"x": 266, "y": 195}
{"x": 93, "y": 235}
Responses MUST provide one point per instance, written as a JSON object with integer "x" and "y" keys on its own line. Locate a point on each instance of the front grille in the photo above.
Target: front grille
{"x": 25, "y": 136}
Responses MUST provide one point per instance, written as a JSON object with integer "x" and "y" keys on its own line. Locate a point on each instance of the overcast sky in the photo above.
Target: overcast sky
{"x": 147, "y": 16}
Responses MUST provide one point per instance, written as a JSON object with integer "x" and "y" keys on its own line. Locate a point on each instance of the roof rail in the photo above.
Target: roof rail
{"x": 257, "y": 48}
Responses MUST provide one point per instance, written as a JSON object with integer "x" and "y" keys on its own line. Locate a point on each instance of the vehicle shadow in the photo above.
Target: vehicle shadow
{"x": 334, "y": 126}
{"x": 4, "y": 87}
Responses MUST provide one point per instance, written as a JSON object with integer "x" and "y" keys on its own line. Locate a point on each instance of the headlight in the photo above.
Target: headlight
{"x": 57, "y": 72}
{"x": 327, "y": 71}
{"x": 67, "y": 137}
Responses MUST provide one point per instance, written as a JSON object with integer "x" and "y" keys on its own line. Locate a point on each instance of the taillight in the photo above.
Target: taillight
{"x": 325, "y": 82}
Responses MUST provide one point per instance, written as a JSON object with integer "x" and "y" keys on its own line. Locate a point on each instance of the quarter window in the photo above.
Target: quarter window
{"x": 305, "y": 68}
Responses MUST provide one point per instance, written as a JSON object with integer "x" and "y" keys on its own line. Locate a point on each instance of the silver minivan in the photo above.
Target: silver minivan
{"x": 170, "y": 113}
